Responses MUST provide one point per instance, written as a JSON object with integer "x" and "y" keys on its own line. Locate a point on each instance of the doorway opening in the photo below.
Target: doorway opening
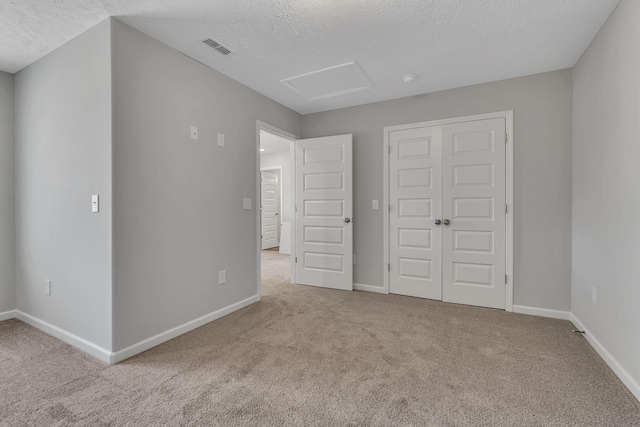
{"x": 276, "y": 221}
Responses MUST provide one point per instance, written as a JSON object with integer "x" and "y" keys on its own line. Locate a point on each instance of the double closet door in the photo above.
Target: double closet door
{"x": 447, "y": 219}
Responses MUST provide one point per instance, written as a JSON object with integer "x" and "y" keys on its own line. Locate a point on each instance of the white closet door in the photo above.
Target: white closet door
{"x": 415, "y": 204}
{"x": 473, "y": 162}
{"x": 324, "y": 212}
{"x": 269, "y": 210}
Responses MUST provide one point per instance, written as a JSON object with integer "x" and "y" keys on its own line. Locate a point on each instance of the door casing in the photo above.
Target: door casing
{"x": 292, "y": 159}
{"x": 508, "y": 116}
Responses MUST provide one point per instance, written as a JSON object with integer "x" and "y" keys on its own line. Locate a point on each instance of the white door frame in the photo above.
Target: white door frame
{"x": 508, "y": 116}
{"x": 292, "y": 154}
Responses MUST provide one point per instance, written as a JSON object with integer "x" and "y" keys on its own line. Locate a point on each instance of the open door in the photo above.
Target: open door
{"x": 269, "y": 209}
{"x": 324, "y": 212}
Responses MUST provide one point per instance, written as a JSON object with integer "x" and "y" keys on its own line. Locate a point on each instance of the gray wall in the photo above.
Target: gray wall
{"x": 606, "y": 187}
{"x": 63, "y": 156}
{"x": 178, "y": 215}
{"x": 542, "y": 121}
{"x": 7, "y": 272}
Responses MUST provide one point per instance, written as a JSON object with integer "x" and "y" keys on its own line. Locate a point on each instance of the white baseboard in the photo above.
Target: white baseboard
{"x": 369, "y": 288}
{"x": 11, "y": 314}
{"x": 144, "y": 345}
{"x": 542, "y": 312}
{"x": 66, "y": 336}
{"x": 624, "y": 376}
{"x": 110, "y": 357}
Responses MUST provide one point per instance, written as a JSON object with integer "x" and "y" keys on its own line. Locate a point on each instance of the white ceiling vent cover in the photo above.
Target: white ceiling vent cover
{"x": 329, "y": 82}
{"x": 217, "y": 46}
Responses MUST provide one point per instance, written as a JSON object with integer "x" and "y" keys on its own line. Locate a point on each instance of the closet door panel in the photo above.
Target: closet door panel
{"x": 474, "y": 194}
{"x": 415, "y": 190}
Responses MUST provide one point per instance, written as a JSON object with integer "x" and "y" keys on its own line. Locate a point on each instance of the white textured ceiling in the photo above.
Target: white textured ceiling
{"x": 447, "y": 43}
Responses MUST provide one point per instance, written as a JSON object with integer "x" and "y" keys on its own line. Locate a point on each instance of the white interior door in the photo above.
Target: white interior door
{"x": 269, "y": 209}
{"x": 474, "y": 240}
{"x": 324, "y": 212}
{"x": 415, "y": 187}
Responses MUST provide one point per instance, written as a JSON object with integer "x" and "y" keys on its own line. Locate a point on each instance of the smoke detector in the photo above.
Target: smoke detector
{"x": 409, "y": 78}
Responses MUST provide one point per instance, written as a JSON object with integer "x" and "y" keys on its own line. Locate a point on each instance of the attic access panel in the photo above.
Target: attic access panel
{"x": 329, "y": 82}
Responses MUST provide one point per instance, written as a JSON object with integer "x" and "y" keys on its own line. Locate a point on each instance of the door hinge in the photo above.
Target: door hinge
{"x": 506, "y": 208}
{"x": 296, "y": 260}
{"x": 506, "y": 138}
{"x": 389, "y": 208}
{"x": 389, "y": 149}
{"x": 389, "y": 267}
{"x": 506, "y": 279}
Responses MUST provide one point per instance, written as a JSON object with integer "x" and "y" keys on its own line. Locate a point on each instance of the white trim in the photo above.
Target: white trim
{"x": 110, "y": 357}
{"x": 66, "y": 336}
{"x": 542, "y": 312}
{"x": 165, "y": 336}
{"x": 294, "y": 213}
{"x": 385, "y": 211}
{"x": 508, "y": 116}
{"x": 7, "y": 315}
{"x": 510, "y": 182}
{"x": 369, "y": 288}
{"x": 293, "y": 138}
{"x": 622, "y": 373}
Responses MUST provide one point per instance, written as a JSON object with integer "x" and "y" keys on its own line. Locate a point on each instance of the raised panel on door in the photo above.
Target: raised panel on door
{"x": 269, "y": 209}
{"x": 324, "y": 241}
{"x": 474, "y": 194}
{"x": 415, "y": 203}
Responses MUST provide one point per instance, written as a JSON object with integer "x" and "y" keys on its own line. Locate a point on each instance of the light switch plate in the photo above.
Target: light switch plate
{"x": 47, "y": 287}
{"x": 375, "y": 205}
{"x": 246, "y": 203}
{"x": 194, "y": 132}
{"x": 95, "y": 203}
{"x": 222, "y": 277}
{"x": 221, "y": 140}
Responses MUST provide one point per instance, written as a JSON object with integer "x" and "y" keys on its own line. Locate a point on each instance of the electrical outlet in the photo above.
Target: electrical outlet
{"x": 594, "y": 296}
{"x": 47, "y": 287}
{"x": 222, "y": 277}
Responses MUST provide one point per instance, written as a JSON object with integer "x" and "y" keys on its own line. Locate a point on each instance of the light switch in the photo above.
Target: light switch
{"x": 194, "y": 132}
{"x": 47, "y": 287}
{"x": 374, "y": 204}
{"x": 222, "y": 277}
{"x": 221, "y": 140}
{"x": 95, "y": 203}
{"x": 246, "y": 203}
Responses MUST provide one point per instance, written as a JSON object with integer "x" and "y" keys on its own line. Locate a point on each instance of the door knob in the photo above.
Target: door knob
{"x": 446, "y": 222}
{"x": 347, "y": 220}
{"x": 438, "y": 222}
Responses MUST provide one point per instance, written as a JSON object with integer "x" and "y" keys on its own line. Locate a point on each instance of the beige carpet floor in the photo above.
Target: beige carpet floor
{"x": 306, "y": 356}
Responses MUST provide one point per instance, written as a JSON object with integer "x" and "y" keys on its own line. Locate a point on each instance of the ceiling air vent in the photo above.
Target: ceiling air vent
{"x": 217, "y": 46}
